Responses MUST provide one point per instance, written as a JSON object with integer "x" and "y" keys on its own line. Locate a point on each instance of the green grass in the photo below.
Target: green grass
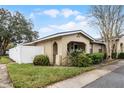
{"x": 5, "y": 60}
{"x": 30, "y": 76}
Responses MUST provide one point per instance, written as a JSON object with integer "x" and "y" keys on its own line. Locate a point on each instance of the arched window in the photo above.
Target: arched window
{"x": 121, "y": 47}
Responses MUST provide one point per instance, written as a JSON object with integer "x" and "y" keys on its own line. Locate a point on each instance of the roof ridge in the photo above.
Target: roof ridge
{"x": 62, "y": 33}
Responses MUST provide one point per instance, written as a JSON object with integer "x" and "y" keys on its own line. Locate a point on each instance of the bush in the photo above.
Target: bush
{"x": 96, "y": 57}
{"x": 79, "y": 59}
{"x": 105, "y": 56}
{"x": 83, "y": 60}
{"x": 114, "y": 55}
{"x": 73, "y": 56}
{"x": 121, "y": 55}
{"x": 41, "y": 60}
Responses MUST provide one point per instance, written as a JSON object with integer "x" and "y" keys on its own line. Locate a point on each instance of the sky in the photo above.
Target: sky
{"x": 50, "y": 19}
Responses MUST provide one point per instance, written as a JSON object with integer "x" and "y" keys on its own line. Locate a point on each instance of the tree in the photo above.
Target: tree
{"x": 110, "y": 20}
{"x": 14, "y": 28}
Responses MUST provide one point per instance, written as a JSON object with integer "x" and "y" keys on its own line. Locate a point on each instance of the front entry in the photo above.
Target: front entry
{"x": 76, "y": 46}
{"x": 55, "y": 52}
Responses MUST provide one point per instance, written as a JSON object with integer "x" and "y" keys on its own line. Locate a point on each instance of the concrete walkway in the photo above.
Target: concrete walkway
{"x": 88, "y": 77}
{"x": 4, "y": 79}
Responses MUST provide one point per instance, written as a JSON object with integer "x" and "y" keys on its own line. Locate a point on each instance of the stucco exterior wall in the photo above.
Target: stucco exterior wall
{"x": 96, "y": 48}
{"x": 121, "y": 40}
{"x": 48, "y": 47}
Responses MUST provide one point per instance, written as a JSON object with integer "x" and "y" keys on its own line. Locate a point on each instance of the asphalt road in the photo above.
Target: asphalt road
{"x": 114, "y": 79}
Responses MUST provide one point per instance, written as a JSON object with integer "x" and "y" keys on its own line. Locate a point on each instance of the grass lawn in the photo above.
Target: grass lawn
{"x": 28, "y": 75}
{"x": 5, "y": 60}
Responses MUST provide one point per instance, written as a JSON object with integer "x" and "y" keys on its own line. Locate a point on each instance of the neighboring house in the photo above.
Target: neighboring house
{"x": 57, "y": 46}
{"x": 119, "y": 44}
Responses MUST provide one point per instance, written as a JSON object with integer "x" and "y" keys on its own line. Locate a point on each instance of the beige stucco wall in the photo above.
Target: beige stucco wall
{"x": 96, "y": 48}
{"x": 121, "y": 40}
{"x": 48, "y": 47}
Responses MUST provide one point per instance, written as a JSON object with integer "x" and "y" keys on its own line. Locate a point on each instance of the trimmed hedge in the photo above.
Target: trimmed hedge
{"x": 121, "y": 55}
{"x": 42, "y": 60}
{"x": 96, "y": 57}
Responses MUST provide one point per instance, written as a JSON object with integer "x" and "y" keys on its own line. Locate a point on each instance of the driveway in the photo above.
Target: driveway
{"x": 115, "y": 79}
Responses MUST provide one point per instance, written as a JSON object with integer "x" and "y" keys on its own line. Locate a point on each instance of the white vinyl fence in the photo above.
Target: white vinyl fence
{"x": 25, "y": 54}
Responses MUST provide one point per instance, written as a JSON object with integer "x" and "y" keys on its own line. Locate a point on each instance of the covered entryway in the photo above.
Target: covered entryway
{"x": 55, "y": 52}
{"x": 76, "y": 46}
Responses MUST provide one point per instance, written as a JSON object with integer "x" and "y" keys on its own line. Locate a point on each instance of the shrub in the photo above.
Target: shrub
{"x": 105, "y": 56}
{"x": 41, "y": 60}
{"x": 96, "y": 57}
{"x": 114, "y": 55}
{"x": 73, "y": 56}
{"x": 121, "y": 55}
{"x": 79, "y": 59}
{"x": 83, "y": 60}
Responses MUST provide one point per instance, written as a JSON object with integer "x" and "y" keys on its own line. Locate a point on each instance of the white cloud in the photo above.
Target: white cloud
{"x": 55, "y": 12}
{"x": 64, "y": 27}
{"x": 80, "y": 18}
{"x": 72, "y": 25}
{"x": 51, "y": 12}
{"x": 68, "y": 12}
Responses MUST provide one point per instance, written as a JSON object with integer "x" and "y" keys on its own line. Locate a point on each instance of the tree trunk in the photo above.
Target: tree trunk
{"x": 108, "y": 50}
{"x": 2, "y": 52}
{"x": 110, "y": 47}
{"x": 3, "y": 47}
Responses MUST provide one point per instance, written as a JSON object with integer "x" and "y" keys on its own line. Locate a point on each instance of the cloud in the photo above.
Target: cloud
{"x": 63, "y": 27}
{"x": 55, "y": 12}
{"x": 52, "y": 12}
{"x": 80, "y": 18}
{"x": 72, "y": 25}
{"x": 68, "y": 12}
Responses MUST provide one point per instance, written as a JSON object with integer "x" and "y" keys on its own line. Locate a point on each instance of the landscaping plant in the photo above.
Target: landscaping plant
{"x": 79, "y": 59}
{"x": 121, "y": 55}
{"x": 96, "y": 57}
{"x": 42, "y": 60}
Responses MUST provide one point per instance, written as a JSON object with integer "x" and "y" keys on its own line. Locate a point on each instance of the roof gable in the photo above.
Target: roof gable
{"x": 61, "y": 34}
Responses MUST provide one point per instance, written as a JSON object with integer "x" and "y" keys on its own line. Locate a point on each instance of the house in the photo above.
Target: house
{"x": 57, "y": 46}
{"x": 119, "y": 43}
